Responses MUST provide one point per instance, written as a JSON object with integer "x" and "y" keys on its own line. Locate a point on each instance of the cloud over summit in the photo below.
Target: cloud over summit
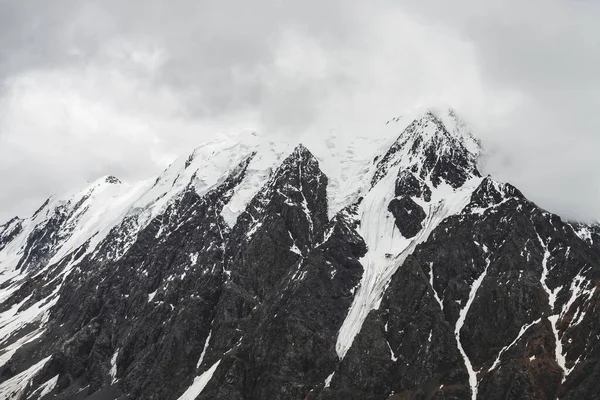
{"x": 94, "y": 88}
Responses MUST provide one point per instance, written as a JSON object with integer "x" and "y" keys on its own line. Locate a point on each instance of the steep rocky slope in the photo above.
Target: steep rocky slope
{"x": 263, "y": 270}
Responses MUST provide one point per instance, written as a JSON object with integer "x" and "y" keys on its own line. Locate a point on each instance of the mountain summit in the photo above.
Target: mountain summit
{"x": 258, "y": 269}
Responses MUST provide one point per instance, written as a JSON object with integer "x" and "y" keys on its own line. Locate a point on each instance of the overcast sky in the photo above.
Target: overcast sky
{"x": 89, "y": 88}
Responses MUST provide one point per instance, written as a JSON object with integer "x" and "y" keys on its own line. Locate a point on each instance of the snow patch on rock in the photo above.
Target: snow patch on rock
{"x": 199, "y": 383}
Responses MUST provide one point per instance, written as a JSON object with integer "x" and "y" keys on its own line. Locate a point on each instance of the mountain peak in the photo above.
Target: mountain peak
{"x": 445, "y": 130}
{"x": 435, "y": 146}
{"x": 112, "y": 180}
{"x": 302, "y": 151}
{"x": 439, "y": 124}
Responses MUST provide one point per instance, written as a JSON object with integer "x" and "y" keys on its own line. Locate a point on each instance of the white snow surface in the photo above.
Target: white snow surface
{"x": 194, "y": 258}
{"x": 435, "y": 293}
{"x": 459, "y": 324}
{"x": 13, "y": 388}
{"x": 524, "y": 329}
{"x": 199, "y": 384}
{"x": 580, "y": 287}
{"x": 47, "y": 387}
{"x": 558, "y": 350}
{"x": 105, "y": 206}
{"x": 113, "y": 366}
{"x": 206, "y": 344}
{"x": 268, "y": 155}
{"x": 348, "y": 164}
{"x": 328, "y": 379}
{"x": 12, "y": 348}
{"x": 551, "y": 293}
{"x": 560, "y": 356}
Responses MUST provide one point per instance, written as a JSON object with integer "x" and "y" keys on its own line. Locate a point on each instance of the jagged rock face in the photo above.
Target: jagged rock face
{"x": 9, "y": 231}
{"x": 408, "y": 184}
{"x": 433, "y": 151}
{"x": 228, "y": 278}
{"x": 408, "y": 215}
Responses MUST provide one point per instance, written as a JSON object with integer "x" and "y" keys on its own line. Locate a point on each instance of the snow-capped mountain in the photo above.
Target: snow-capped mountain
{"x": 260, "y": 269}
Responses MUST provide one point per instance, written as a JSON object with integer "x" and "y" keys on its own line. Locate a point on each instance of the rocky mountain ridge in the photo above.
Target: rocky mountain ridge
{"x": 253, "y": 269}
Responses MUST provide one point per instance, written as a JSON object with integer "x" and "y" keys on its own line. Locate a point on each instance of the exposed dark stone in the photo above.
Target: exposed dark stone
{"x": 409, "y": 216}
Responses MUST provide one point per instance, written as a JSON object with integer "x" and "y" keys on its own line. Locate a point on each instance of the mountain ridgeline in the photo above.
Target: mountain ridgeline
{"x": 254, "y": 269}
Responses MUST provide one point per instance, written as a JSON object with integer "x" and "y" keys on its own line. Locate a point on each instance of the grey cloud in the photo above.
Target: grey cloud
{"x": 96, "y": 87}
{"x": 549, "y": 53}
